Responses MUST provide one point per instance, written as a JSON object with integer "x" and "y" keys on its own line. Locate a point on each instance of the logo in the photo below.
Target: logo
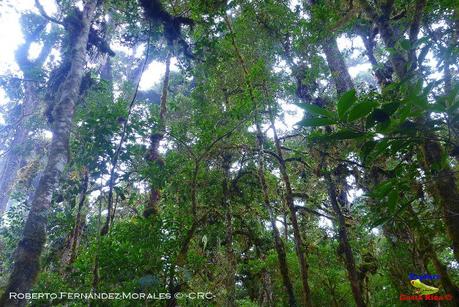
{"x": 423, "y": 289}
{"x": 423, "y": 292}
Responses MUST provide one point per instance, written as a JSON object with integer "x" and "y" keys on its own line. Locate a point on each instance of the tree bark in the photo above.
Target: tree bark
{"x": 288, "y": 199}
{"x": 26, "y": 265}
{"x": 344, "y": 243}
{"x": 342, "y": 79}
{"x": 15, "y": 154}
{"x": 156, "y": 137}
{"x": 79, "y": 221}
{"x": 230, "y": 280}
{"x": 261, "y": 169}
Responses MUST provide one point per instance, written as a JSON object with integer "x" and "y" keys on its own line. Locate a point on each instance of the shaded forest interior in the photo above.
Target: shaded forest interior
{"x": 230, "y": 153}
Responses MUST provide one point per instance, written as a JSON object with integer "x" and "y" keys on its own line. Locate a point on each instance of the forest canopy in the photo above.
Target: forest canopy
{"x": 229, "y": 153}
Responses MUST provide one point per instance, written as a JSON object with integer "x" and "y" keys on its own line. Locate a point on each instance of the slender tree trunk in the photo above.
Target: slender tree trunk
{"x": 230, "y": 280}
{"x": 288, "y": 199}
{"x": 183, "y": 252}
{"x": 155, "y": 138}
{"x": 114, "y": 163}
{"x": 345, "y": 245}
{"x": 26, "y": 264}
{"x": 261, "y": 169}
{"x": 69, "y": 251}
{"x": 79, "y": 221}
{"x": 278, "y": 244}
{"x": 95, "y": 269}
{"x": 343, "y": 83}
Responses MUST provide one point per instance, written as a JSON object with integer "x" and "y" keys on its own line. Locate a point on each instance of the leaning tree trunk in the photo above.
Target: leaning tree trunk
{"x": 27, "y": 256}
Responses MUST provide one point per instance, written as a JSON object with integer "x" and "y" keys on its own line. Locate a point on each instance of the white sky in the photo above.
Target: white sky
{"x": 11, "y": 38}
{"x": 10, "y": 29}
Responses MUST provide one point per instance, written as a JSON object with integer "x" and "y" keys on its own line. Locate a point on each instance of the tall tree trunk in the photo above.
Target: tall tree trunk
{"x": 69, "y": 251}
{"x": 27, "y": 258}
{"x": 114, "y": 162}
{"x": 12, "y": 161}
{"x": 183, "y": 251}
{"x": 345, "y": 244}
{"x": 261, "y": 169}
{"x": 230, "y": 280}
{"x": 288, "y": 199}
{"x": 15, "y": 154}
{"x": 343, "y": 83}
{"x": 399, "y": 239}
{"x": 156, "y": 137}
{"x": 278, "y": 244}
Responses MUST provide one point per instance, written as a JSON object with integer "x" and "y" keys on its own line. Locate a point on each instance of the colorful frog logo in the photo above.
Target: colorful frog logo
{"x": 423, "y": 289}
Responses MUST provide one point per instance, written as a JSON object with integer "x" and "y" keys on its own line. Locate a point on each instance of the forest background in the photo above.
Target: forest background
{"x": 270, "y": 152}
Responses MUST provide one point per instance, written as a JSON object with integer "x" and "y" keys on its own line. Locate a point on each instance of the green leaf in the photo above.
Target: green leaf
{"x": 390, "y": 108}
{"x": 345, "y": 102}
{"x": 405, "y": 44}
{"x": 380, "y": 147}
{"x": 316, "y": 122}
{"x": 340, "y": 135}
{"x": 313, "y": 109}
{"x": 360, "y": 110}
{"x": 366, "y": 149}
{"x": 392, "y": 199}
{"x": 347, "y": 134}
{"x": 383, "y": 188}
{"x": 381, "y": 221}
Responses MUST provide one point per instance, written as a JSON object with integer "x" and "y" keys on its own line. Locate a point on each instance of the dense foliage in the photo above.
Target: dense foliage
{"x": 291, "y": 153}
